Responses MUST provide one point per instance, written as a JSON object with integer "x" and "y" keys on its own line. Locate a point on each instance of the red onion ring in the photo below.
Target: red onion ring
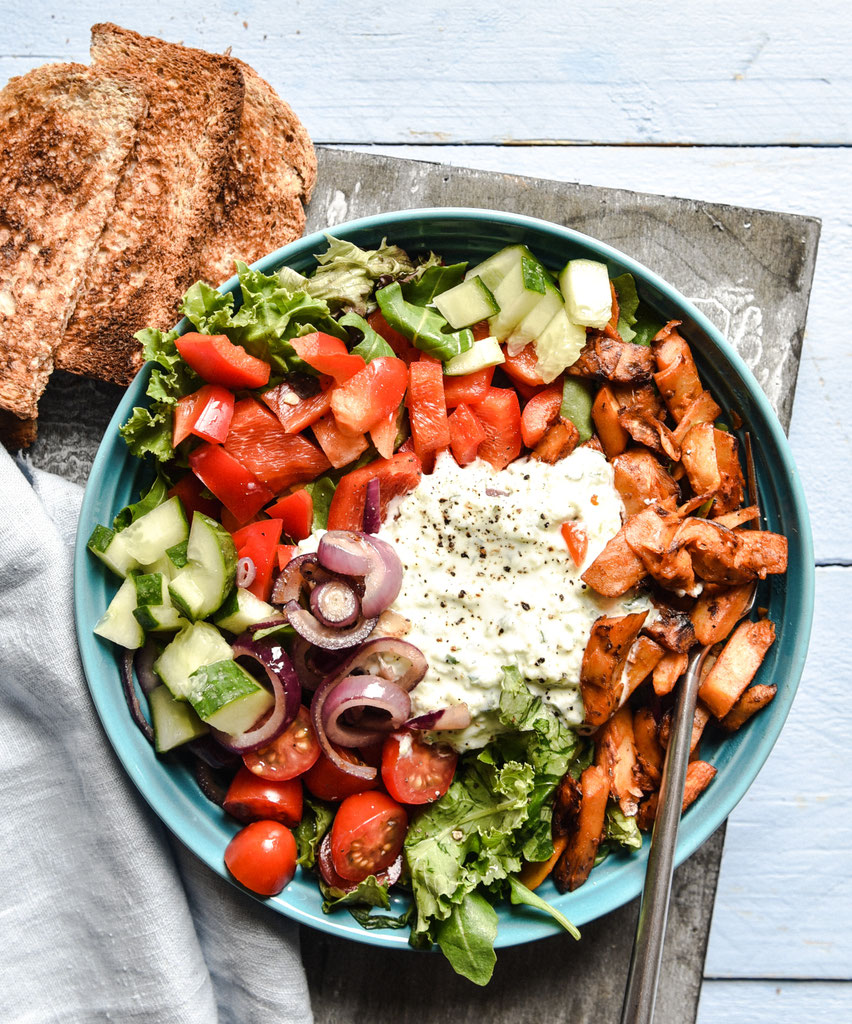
{"x": 144, "y": 665}
{"x": 363, "y": 692}
{"x": 358, "y": 771}
{"x": 345, "y": 551}
{"x": 373, "y": 507}
{"x": 213, "y": 753}
{"x": 246, "y": 572}
{"x": 327, "y": 637}
{"x": 334, "y": 603}
{"x": 456, "y": 716}
{"x": 133, "y": 705}
{"x": 288, "y": 586}
{"x": 213, "y": 790}
{"x": 285, "y": 687}
{"x": 383, "y": 582}
{"x": 313, "y": 664}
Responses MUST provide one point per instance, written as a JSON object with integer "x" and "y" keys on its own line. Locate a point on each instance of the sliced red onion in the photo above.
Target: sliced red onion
{"x": 456, "y": 716}
{"x": 361, "y": 692}
{"x": 289, "y": 585}
{"x": 246, "y": 572}
{"x": 327, "y": 637}
{"x": 144, "y": 665}
{"x": 256, "y": 627}
{"x": 285, "y": 687}
{"x": 133, "y": 704}
{"x": 346, "y": 552}
{"x": 208, "y": 784}
{"x": 372, "y": 507}
{"x": 313, "y": 664}
{"x": 383, "y": 582}
{"x": 386, "y": 647}
{"x": 358, "y": 771}
{"x": 213, "y": 753}
{"x": 335, "y": 603}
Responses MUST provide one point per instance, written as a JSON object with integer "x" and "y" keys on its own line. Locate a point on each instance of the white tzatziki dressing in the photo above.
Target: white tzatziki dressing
{"x": 488, "y": 581}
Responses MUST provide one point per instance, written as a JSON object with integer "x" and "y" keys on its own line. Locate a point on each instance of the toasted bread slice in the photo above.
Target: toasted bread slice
{"x": 271, "y": 175}
{"x": 65, "y": 137}
{"x": 15, "y": 433}
{"x": 149, "y": 251}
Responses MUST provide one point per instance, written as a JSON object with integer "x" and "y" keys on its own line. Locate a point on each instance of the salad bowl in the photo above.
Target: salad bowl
{"x": 473, "y": 234}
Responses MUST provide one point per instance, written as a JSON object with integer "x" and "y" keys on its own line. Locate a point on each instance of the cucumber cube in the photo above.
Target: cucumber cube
{"x": 228, "y": 697}
{"x": 174, "y": 721}
{"x": 588, "y": 297}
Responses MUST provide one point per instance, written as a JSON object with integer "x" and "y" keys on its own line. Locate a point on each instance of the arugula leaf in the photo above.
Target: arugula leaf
{"x": 420, "y": 291}
{"x": 346, "y": 274}
{"x": 371, "y": 892}
{"x": 467, "y": 939}
{"x": 425, "y": 328}
{"x": 372, "y": 345}
{"x": 628, "y": 303}
{"x": 154, "y": 496}
{"x": 321, "y": 492}
{"x": 622, "y": 829}
{"x": 371, "y": 921}
{"x": 316, "y": 821}
{"x": 520, "y": 895}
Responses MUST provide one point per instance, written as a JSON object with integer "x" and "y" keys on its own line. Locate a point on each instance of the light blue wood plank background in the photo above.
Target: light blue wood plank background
{"x": 722, "y": 101}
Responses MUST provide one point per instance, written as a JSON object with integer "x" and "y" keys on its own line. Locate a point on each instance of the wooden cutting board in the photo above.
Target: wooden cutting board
{"x": 750, "y": 272}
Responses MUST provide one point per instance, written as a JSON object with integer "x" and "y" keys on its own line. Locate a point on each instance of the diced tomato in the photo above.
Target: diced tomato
{"x": 539, "y": 413}
{"x": 190, "y": 491}
{"x": 481, "y": 329}
{"x": 236, "y": 487}
{"x": 275, "y": 456}
{"x": 291, "y": 754}
{"x": 340, "y": 448}
{"x": 406, "y": 446}
{"x": 500, "y": 415}
{"x": 367, "y": 835}
{"x": 397, "y": 475}
{"x": 206, "y": 413}
{"x": 327, "y": 782}
{"x": 286, "y": 554}
{"x": 296, "y": 513}
{"x": 398, "y": 342}
{"x": 577, "y": 541}
{"x": 262, "y": 857}
{"x": 522, "y": 367}
{"x": 528, "y": 391}
{"x": 469, "y": 388}
{"x": 232, "y": 524}
{"x": 259, "y": 542}
{"x": 250, "y": 798}
{"x": 368, "y": 397}
{"x": 415, "y": 772}
{"x": 327, "y": 355}
{"x": 427, "y": 411}
{"x": 295, "y": 413}
{"x": 383, "y": 434}
{"x": 218, "y": 361}
{"x": 466, "y": 434}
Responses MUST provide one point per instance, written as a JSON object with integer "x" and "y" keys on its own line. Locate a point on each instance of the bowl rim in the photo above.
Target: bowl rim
{"x": 522, "y": 925}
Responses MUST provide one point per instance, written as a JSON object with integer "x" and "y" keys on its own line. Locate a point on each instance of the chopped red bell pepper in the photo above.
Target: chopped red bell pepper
{"x": 239, "y": 490}
{"x": 398, "y": 342}
{"x": 340, "y": 448}
{"x": 397, "y": 475}
{"x": 469, "y": 388}
{"x": 206, "y": 413}
{"x": 500, "y": 415}
{"x": 259, "y": 542}
{"x": 295, "y": 413}
{"x": 296, "y": 513}
{"x": 466, "y": 434}
{"x": 190, "y": 491}
{"x": 539, "y": 413}
{"x": 368, "y": 397}
{"x": 481, "y": 329}
{"x": 275, "y": 456}
{"x": 286, "y": 554}
{"x": 383, "y": 434}
{"x": 327, "y": 355}
{"x": 577, "y": 540}
{"x": 523, "y": 366}
{"x": 427, "y": 410}
{"x": 218, "y": 361}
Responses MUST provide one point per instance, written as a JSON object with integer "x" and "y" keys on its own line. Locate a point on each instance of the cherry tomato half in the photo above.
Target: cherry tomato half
{"x": 415, "y": 772}
{"x": 250, "y": 798}
{"x": 328, "y": 782}
{"x": 262, "y": 857}
{"x": 367, "y": 835}
{"x": 326, "y": 868}
{"x": 295, "y": 750}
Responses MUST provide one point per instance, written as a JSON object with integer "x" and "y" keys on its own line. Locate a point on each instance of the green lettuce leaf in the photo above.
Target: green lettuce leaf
{"x": 434, "y": 280}
{"x": 372, "y": 345}
{"x": 370, "y": 921}
{"x": 316, "y": 821}
{"x": 425, "y": 328}
{"x": 321, "y": 492}
{"x": 520, "y": 895}
{"x": 636, "y": 323}
{"x": 154, "y": 496}
{"x": 371, "y": 893}
{"x": 346, "y": 275}
{"x": 467, "y": 938}
{"x": 621, "y": 829}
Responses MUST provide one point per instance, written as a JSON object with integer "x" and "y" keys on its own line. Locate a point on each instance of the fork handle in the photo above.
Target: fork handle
{"x": 644, "y": 974}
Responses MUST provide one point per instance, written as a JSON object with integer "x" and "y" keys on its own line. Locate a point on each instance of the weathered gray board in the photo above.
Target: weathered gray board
{"x": 750, "y": 271}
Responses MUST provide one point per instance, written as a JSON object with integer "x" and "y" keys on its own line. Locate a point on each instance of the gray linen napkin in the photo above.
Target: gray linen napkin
{"x": 103, "y": 916}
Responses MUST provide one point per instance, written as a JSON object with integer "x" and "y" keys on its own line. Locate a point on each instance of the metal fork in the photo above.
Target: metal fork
{"x": 644, "y": 973}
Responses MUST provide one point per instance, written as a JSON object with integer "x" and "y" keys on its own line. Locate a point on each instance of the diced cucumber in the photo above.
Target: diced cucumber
{"x": 485, "y": 352}
{"x": 467, "y": 303}
{"x": 150, "y": 588}
{"x": 151, "y": 535}
{"x": 159, "y": 618}
{"x": 202, "y": 585}
{"x": 111, "y": 548}
{"x": 588, "y": 297}
{"x": 194, "y": 647}
{"x": 174, "y": 721}
{"x": 228, "y": 697}
{"x": 118, "y": 623}
{"x": 558, "y": 346}
{"x": 177, "y": 554}
{"x": 154, "y": 610}
{"x": 520, "y": 291}
{"x": 532, "y": 325}
{"x": 242, "y": 609}
{"x": 496, "y": 267}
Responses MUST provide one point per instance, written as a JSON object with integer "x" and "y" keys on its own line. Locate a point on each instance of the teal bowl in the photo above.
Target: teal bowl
{"x": 462, "y": 234}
